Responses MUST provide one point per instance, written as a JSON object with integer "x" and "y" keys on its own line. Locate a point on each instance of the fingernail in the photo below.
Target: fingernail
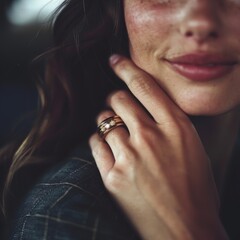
{"x": 114, "y": 59}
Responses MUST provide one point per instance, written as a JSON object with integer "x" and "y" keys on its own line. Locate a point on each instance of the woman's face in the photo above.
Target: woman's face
{"x": 191, "y": 48}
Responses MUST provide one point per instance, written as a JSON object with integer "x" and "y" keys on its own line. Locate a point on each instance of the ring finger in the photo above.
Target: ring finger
{"x": 114, "y": 130}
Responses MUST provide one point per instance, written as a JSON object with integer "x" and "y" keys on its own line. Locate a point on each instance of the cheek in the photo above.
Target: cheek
{"x": 147, "y": 28}
{"x": 232, "y": 20}
{"x": 234, "y": 26}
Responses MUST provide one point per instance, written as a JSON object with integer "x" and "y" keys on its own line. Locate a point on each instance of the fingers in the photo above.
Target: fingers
{"x": 130, "y": 110}
{"x": 107, "y": 151}
{"x": 102, "y": 154}
{"x": 118, "y": 134}
{"x": 137, "y": 115}
{"x": 145, "y": 89}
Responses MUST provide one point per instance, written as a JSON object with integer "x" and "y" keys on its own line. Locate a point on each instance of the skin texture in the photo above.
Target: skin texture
{"x": 161, "y": 167}
{"x": 159, "y": 30}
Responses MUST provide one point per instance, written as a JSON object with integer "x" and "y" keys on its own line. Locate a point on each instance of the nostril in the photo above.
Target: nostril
{"x": 188, "y": 34}
{"x": 200, "y": 34}
{"x": 213, "y": 34}
{"x": 199, "y": 28}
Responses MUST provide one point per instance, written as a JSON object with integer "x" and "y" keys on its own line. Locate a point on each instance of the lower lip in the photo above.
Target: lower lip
{"x": 202, "y": 73}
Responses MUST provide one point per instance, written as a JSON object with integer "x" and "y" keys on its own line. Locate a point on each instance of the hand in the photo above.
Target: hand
{"x": 157, "y": 168}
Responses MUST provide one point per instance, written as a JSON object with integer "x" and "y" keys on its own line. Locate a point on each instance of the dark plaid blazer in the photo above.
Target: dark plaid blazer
{"x": 71, "y": 203}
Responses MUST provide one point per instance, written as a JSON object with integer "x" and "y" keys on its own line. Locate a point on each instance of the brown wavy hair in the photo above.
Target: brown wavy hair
{"x": 73, "y": 91}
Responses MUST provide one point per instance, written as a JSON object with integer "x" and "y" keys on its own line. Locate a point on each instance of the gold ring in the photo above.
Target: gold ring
{"x": 108, "y": 125}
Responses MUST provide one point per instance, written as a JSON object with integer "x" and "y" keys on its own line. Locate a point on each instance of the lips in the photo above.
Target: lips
{"x": 202, "y": 67}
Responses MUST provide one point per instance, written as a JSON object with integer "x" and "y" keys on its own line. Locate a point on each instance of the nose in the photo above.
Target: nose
{"x": 200, "y": 21}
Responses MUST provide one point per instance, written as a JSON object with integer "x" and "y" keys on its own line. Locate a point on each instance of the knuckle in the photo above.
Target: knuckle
{"x": 176, "y": 124}
{"x": 126, "y": 159}
{"x": 136, "y": 79}
{"x": 117, "y": 96}
{"x": 139, "y": 83}
{"x": 144, "y": 136}
{"x": 177, "y": 130}
{"x": 122, "y": 173}
{"x": 115, "y": 180}
{"x": 103, "y": 115}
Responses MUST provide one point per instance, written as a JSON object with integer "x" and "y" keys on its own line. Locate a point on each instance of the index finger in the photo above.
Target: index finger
{"x": 145, "y": 89}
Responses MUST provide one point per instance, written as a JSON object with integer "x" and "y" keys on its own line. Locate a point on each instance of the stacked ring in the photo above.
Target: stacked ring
{"x": 108, "y": 125}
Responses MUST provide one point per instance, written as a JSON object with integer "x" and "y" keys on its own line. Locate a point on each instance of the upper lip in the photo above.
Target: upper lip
{"x": 203, "y": 59}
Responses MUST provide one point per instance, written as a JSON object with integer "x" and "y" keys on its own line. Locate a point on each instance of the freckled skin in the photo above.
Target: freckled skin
{"x": 157, "y": 30}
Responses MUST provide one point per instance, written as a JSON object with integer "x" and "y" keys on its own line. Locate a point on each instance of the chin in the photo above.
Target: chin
{"x": 204, "y": 112}
{"x": 206, "y": 108}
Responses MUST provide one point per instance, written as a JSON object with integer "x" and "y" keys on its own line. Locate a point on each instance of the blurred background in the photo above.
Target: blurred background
{"x": 24, "y": 35}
